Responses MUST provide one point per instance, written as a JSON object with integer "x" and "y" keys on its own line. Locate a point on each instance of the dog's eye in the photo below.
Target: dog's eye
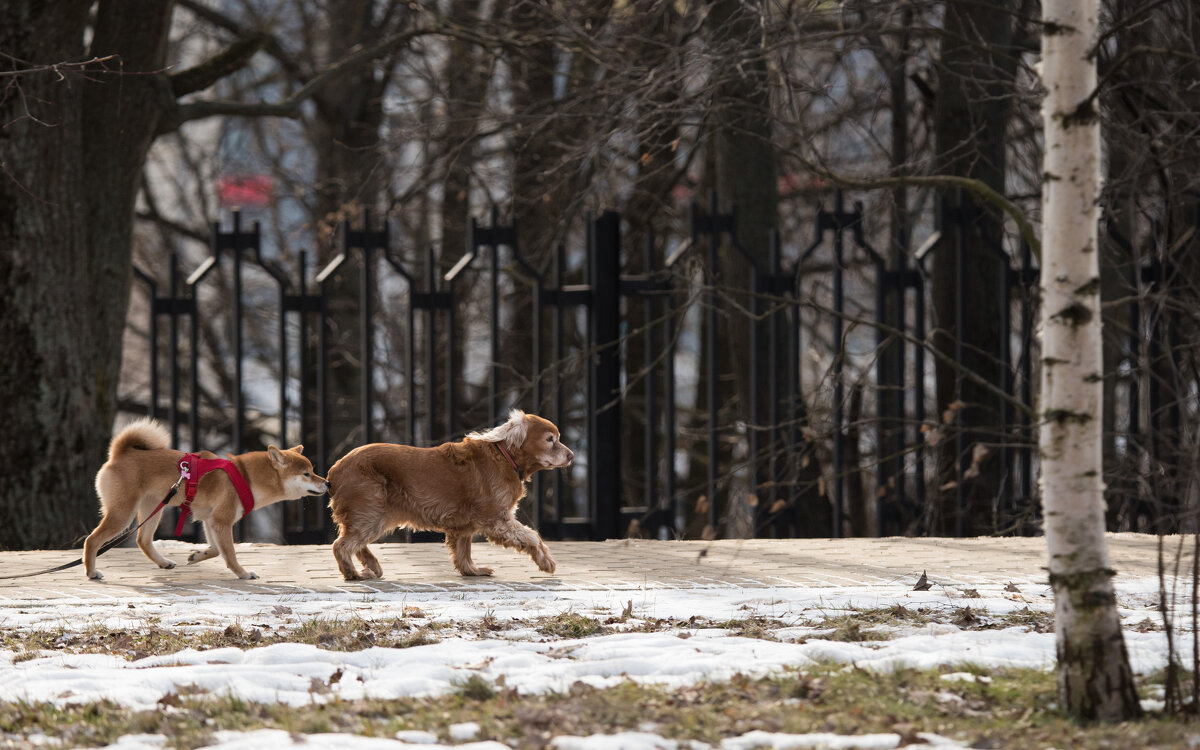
{"x": 307, "y": 475}
{"x": 549, "y": 438}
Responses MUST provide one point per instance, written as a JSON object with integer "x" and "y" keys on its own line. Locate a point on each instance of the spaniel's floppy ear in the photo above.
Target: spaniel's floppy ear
{"x": 516, "y": 428}
{"x": 511, "y": 432}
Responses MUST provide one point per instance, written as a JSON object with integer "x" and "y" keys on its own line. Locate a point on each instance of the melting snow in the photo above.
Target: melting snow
{"x": 298, "y": 675}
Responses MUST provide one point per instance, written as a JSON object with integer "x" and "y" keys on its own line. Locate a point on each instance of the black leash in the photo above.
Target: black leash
{"x": 110, "y": 543}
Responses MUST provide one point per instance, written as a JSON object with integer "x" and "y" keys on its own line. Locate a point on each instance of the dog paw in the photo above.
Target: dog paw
{"x": 197, "y": 556}
{"x": 368, "y": 575}
{"x": 352, "y": 577}
{"x": 545, "y": 562}
{"x": 477, "y": 572}
{"x": 96, "y": 575}
{"x": 249, "y": 575}
{"x": 168, "y": 565}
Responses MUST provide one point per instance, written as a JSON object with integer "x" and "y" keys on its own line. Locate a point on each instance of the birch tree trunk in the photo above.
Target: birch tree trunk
{"x": 1094, "y": 679}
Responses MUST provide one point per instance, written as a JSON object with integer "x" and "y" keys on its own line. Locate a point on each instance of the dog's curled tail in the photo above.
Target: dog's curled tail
{"x": 144, "y": 434}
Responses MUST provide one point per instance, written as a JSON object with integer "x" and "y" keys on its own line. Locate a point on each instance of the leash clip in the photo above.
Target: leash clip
{"x": 185, "y": 472}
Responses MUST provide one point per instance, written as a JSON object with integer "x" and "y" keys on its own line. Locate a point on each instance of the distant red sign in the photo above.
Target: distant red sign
{"x": 245, "y": 190}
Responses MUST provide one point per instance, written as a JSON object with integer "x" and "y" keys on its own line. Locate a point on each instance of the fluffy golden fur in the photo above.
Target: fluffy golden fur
{"x": 141, "y": 469}
{"x": 458, "y": 488}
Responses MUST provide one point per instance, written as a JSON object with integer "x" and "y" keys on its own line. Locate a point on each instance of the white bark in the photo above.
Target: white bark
{"x": 1094, "y": 679}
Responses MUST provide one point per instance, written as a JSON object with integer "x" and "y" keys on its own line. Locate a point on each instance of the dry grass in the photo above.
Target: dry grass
{"x": 1015, "y": 709}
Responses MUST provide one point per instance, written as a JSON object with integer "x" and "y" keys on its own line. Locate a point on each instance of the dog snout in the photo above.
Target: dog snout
{"x": 570, "y": 455}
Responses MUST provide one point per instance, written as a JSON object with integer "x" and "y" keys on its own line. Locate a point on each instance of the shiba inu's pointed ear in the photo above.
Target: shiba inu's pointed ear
{"x": 297, "y": 449}
{"x": 276, "y": 455}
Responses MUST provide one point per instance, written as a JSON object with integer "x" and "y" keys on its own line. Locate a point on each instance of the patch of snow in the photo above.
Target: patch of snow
{"x": 416, "y": 737}
{"x": 826, "y": 741}
{"x": 680, "y": 650}
{"x": 623, "y": 741}
{"x": 277, "y": 738}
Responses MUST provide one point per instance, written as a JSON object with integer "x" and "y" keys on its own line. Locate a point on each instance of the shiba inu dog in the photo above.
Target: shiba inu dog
{"x": 141, "y": 469}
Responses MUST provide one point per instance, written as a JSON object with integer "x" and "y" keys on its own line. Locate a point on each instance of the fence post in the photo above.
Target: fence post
{"x": 235, "y": 242}
{"x": 173, "y": 410}
{"x": 367, "y": 241}
{"x": 958, "y": 213}
{"x": 604, "y": 469}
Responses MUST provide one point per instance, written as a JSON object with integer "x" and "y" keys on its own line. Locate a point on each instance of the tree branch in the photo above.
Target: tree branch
{"x": 60, "y": 69}
{"x": 231, "y": 60}
{"x": 976, "y": 187}
{"x": 290, "y": 107}
{"x": 222, "y": 21}
{"x": 1125, "y": 57}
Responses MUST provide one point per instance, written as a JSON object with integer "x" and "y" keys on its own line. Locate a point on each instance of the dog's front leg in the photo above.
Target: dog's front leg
{"x": 510, "y": 533}
{"x": 221, "y": 535}
{"x": 459, "y": 543}
{"x": 201, "y": 555}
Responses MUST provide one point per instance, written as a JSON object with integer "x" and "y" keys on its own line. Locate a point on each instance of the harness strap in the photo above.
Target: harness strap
{"x": 192, "y": 468}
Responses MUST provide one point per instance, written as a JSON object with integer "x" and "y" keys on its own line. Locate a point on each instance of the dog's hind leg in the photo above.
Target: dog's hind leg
{"x": 459, "y": 543}
{"x": 370, "y": 563}
{"x": 110, "y": 525}
{"x": 201, "y": 555}
{"x": 354, "y": 534}
{"x": 145, "y": 537}
{"x": 510, "y": 533}
{"x": 350, "y": 545}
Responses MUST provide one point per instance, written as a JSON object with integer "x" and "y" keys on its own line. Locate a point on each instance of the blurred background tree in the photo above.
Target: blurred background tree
{"x": 556, "y": 111}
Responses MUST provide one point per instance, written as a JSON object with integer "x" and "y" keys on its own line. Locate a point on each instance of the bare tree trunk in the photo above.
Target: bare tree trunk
{"x": 466, "y": 80}
{"x": 645, "y": 213}
{"x": 1094, "y": 679}
{"x": 894, "y": 516}
{"x": 349, "y": 176}
{"x": 71, "y": 153}
{"x": 747, "y": 177}
{"x": 1117, "y": 286}
{"x": 857, "y": 516}
{"x": 972, "y": 111}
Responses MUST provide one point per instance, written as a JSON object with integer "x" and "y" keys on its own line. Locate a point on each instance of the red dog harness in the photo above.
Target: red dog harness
{"x": 192, "y": 467}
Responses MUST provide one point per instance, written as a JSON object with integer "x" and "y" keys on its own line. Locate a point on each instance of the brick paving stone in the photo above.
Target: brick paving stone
{"x": 613, "y": 565}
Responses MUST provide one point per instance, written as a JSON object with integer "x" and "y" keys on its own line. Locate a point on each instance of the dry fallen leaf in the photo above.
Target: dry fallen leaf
{"x": 923, "y": 583}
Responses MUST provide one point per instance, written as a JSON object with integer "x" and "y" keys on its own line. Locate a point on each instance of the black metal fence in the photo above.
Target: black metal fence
{"x": 445, "y": 368}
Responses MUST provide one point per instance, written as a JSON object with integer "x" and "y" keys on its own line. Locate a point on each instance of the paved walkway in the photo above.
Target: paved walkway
{"x": 612, "y": 565}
